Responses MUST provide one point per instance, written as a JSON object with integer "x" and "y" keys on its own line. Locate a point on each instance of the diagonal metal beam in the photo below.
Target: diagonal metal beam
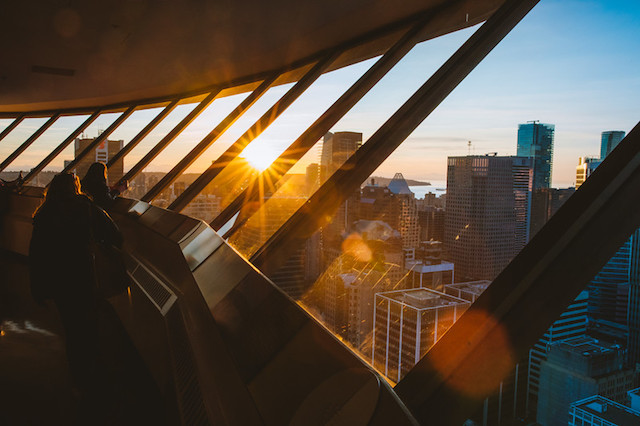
{"x": 102, "y": 137}
{"x": 53, "y": 154}
{"x": 389, "y": 136}
{"x": 31, "y": 139}
{"x": 208, "y": 140}
{"x": 160, "y": 146}
{"x": 143, "y": 133}
{"x": 254, "y": 131}
{"x": 324, "y": 123}
{"x": 12, "y": 126}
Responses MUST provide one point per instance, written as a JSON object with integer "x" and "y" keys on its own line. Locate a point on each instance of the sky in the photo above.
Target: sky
{"x": 574, "y": 64}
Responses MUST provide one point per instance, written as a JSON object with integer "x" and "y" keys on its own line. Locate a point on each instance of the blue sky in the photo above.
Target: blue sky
{"x": 574, "y": 64}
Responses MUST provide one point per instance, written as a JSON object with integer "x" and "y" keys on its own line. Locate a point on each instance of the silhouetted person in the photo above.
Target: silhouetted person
{"x": 94, "y": 184}
{"x": 62, "y": 269}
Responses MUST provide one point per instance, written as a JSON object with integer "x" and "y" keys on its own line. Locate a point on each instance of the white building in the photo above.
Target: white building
{"x": 599, "y": 411}
{"x": 407, "y": 323}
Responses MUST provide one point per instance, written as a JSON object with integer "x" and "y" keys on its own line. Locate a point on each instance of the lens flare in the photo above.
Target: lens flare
{"x": 355, "y": 246}
{"x": 480, "y": 382}
{"x": 259, "y": 155}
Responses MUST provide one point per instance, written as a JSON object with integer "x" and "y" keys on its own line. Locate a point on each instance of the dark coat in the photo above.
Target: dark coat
{"x": 60, "y": 258}
{"x": 99, "y": 191}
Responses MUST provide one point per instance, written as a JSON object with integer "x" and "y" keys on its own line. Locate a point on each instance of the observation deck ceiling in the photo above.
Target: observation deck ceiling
{"x": 62, "y": 55}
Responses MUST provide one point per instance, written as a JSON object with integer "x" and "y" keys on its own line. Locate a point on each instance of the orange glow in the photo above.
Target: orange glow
{"x": 479, "y": 382}
{"x": 259, "y": 155}
{"x": 355, "y": 246}
{"x": 2, "y": 333}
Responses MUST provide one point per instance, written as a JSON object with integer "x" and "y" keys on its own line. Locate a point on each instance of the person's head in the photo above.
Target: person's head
{"x": 97, "y": 173}
{"x": 63, "y": 187}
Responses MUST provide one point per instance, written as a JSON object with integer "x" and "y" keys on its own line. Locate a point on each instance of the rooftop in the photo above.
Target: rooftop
{"x": 475, "y": 287}
{"x": 423, "y": 298}
{"x": 587, "y": 346}
{"x": 398, "y": 185}
{"x": 608, "y": 410}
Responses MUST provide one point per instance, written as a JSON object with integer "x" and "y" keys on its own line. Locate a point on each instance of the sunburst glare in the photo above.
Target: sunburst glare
{"x": 260, "y": 155}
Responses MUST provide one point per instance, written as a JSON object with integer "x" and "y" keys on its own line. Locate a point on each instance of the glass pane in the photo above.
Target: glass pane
{"x": 69, "y": 153}
{"x": 140, "y": 184}
{"x": 42, "y": 146}
{"x": 259, "y": 154}
{"x": 20, "y": 134}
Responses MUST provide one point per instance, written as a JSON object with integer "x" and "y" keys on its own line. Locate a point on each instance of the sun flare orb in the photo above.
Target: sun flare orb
{"x": 259, "y": 156}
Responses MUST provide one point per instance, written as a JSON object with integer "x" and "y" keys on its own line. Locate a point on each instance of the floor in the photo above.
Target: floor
{"x": 35, "y": 388}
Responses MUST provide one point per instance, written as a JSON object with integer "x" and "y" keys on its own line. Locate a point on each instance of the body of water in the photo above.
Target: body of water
{"x": 436, "y": 187}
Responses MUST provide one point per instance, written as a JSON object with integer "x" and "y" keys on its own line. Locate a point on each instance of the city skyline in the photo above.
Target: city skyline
{"x": 584, "y": 86}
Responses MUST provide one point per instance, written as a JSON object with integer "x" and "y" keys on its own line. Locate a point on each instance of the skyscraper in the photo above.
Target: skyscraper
{"x": 487, "y": 214}
{"x": 408, "y": 220}
{"x": 336, "y": 149}
{"x": 104, "y": 152}
{"x": 535, "y": 140}
{"x": 579, "y": 368}
{"x": 586, "y": 166}
{"x": 614, "y": 293}
{"x": 633, "y": 310}
{"x": 609, "y": 289}
{"x": 572, "y": 323}
{"x": 610, "y": 140}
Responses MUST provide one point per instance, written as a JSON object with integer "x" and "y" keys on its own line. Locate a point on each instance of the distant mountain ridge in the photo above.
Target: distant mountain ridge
{"x": 383, "y": 181}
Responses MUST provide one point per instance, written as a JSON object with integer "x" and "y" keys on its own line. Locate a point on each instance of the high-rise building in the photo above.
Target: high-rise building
{"x": 407, "y": 323}
{"x": 557, "y": 198}
{"x": 614, "y": 295}
{"x": 609, "y": 289}
{"x": 179, "y": 187}
{"x": 203, "y": 206}
{"x": 535, "y": 140}
{"x": 545, "y": 202}
{"x": 572, "y": 323}
{"x": 633, "y": 310}
{"x": 378, "y": 203}
{"x": 408, "y": 212}
{"x": 370, "y": 261}
{"x": 487, "y": 214}
{"x": 104, "y": 152}
{"x": 394, "y": 204}
{"x": 586, "y": 166}
{"x": 428, "y": 270}
{"x": 263, "y": 221}
{"x": 600, "y": 411}
{"x": 578, "y": 368}
{"x": 336, "y": 149}
{"x": 610, "y": 140}
{"x": 431, "y": 223}
{"x": 312, "y": 178}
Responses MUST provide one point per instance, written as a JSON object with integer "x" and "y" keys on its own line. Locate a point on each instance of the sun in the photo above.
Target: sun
{"x": 259, "y": 155}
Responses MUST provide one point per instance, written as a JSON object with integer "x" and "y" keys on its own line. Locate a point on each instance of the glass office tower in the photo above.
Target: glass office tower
{"x": 535, "y": 140}
{"x": 610, "y": 140}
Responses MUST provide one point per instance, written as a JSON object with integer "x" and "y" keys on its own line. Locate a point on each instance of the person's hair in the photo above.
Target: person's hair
{"x": 63, "y": 186}
{"x": 97, "y": 173}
